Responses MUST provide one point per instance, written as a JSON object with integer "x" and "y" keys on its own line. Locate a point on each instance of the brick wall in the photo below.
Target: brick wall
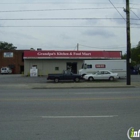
{"x": 13, "y": 59}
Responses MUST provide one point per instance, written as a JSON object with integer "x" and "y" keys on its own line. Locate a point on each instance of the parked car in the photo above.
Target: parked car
{"x": 66, "y": 75}
{"x": 134, "y": 70}
{"x": 5, "y": 70}
{"x": 101, "y": 75}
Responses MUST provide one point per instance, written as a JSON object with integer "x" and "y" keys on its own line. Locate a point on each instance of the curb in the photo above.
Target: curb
{"x": 83, "y": 87}
{"x": 67, "y": 86}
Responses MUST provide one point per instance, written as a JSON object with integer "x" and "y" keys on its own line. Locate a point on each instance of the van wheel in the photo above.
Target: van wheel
{"x": 90, "y": 79}
{"x": 111, "y": 78}
{"x": 76, "y": 79}
{"x": 56, "y": 80}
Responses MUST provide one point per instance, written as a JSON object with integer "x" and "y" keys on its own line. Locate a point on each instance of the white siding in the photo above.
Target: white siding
{"x": 48, "y": 66}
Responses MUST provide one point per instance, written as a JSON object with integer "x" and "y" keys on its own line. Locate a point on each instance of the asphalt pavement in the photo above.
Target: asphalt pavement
{"x": 22, "y": 82}
{"x": 69, "y": 114}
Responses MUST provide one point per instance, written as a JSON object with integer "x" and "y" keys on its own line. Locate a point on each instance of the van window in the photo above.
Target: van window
{"x": 89, "y": 66}
{"x": 3, "y": 68}
{"x": 86, "y": 66}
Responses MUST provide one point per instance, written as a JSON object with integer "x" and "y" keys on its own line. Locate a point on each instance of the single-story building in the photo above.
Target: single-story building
{"x": 12, "y": 59}
{"x": 56, "y": 61}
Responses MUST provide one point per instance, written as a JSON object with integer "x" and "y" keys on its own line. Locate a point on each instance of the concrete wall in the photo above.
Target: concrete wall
{"x": 48, "y": 66}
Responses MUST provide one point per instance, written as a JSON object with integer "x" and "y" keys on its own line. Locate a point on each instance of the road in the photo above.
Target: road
{"x": 68, "y": 114}
{"x": 8, "y": 79}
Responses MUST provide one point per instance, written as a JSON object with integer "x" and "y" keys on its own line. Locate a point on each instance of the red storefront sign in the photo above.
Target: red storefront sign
{"x": 72, "y": 54}
{"x": 100, "y": 66}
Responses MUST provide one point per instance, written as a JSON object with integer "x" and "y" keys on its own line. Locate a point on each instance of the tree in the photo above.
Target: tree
{"x": 135, "y": 55}
{"x": 124, "y": 56}
{"x": 7, "y": 46}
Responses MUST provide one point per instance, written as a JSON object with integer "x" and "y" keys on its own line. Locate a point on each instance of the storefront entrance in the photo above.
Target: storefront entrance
{"x": 21, "y": 69}
{"x": 72, "y": 66}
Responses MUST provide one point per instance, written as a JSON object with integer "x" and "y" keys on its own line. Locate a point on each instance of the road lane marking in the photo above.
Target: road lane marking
{"x": 76, "y": 117}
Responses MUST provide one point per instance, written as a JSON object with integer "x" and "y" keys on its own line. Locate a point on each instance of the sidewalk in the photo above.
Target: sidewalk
{"x": 70, "y": 85}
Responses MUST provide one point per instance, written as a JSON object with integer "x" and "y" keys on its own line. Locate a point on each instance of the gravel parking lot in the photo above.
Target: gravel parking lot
{"x": 20, "y": 79}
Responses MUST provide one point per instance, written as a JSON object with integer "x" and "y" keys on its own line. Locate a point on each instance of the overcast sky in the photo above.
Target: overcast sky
{"x": 55, "y": 24}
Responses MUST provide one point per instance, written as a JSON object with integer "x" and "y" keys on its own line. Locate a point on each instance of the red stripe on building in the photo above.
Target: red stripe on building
{"x": 72, "y": 54}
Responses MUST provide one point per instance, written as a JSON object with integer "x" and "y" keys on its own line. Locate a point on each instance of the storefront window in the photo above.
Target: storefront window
{"x": 8, "y": 54}
{"x": 56, "y": 68}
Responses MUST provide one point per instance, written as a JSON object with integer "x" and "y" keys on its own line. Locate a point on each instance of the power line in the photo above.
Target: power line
{"x": 101, "y": 3}
{"x": 106, "y": 8}
{"x": 135, "y": 14}
{"x": 134, "y": 24}
{"x": 135, "y": 3}
{"x": 64, "y": 18}
{"x": 98, "y": 3}
{"x": 117, "y": 10}
{"x": 101, "y": 46}
{"x": 32, "y": 26}
{"x": 135, "y": 8}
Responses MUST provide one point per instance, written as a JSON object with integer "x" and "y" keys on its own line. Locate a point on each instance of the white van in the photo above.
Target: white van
{"x": 115, "y": 66}
{"x": 5, "y": 70}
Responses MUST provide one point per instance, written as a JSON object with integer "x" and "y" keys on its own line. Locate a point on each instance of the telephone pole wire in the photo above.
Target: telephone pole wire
{"x": 127, "y": 10}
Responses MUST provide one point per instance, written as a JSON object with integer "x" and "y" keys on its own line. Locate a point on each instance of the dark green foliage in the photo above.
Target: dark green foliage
{"x": 7, "y": 46}
{"x": 135, "y": 55}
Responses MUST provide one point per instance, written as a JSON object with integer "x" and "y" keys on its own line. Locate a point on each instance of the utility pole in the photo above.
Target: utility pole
{"x": 127, "y": 10}
{"x": 77, "y": 46}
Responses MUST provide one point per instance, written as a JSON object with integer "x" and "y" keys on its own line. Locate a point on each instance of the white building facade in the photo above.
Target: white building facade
{"x": 56, "y": 61}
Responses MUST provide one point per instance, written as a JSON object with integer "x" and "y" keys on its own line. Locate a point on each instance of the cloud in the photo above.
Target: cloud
{"x": 65, "y": 37}
{"x": 18, "y": 35}
{"x": 101, "y": 33}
